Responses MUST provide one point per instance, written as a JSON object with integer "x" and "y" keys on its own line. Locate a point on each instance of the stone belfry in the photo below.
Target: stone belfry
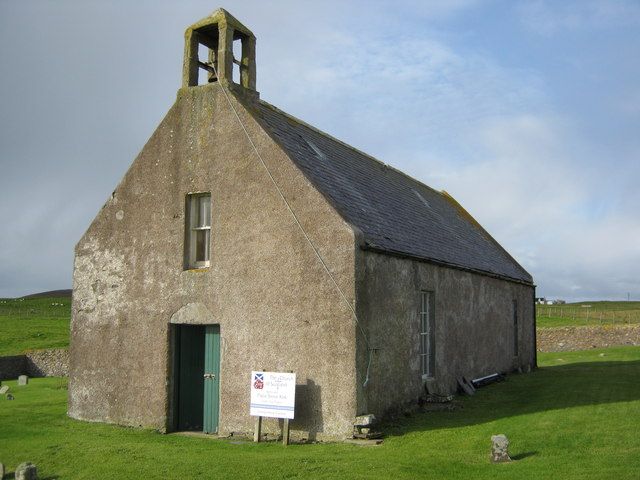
{"x": 218, "y": 33}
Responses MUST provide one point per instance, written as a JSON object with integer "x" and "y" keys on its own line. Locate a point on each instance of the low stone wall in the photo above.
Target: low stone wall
{"x": 36, "y": 363}
{"x": 563, "y": 339}
{"x": 48, "y": 363}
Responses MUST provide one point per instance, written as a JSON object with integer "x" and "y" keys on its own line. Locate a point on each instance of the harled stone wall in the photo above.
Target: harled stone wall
{"x": 276, "y": 307}
{"x": 474, "y": 334}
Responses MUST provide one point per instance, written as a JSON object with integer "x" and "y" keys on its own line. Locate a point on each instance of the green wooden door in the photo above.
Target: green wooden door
{"x": 190, "y": 380}
{"x": 211, "y": 378}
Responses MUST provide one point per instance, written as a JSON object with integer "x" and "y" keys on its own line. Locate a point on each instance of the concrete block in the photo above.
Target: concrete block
{"x": 465, "y": 386}
{"x": 364, "y": 420}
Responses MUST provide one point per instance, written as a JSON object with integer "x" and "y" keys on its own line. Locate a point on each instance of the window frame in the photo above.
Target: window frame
{"x": 426, "y": 334}
{"x": 194, "y": 223}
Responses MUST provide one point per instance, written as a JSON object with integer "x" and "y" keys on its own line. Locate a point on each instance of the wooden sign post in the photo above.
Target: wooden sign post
{"x": 272, "y": 395}
{"x": 257, "y": 430}
{"x": 285, "y": 432}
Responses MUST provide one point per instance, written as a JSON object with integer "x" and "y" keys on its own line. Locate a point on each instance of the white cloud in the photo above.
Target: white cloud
{"x": 528, "y": 190}
{"x": 414, "y": 92}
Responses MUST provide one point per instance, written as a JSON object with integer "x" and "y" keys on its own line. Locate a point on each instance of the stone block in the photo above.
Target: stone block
{"x": 23, "y": 380}
{"x": 500, "y": 449}
{"x": 364, "y": 420}
{"x": 26, "y": 471}
{"x": 1, "y": 471}
{"x": 4, "y": 389}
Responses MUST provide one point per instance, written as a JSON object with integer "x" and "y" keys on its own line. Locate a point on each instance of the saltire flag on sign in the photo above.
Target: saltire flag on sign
{"x": 258, "y": 381}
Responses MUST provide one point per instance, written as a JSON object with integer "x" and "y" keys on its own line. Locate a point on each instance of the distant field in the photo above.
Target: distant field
{"x": 587, "y": 313}
{"x": 35, "y": 323}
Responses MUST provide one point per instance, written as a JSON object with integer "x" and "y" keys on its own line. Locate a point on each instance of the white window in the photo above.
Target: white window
{"x": 198, "y": 231}
{"x": 427, "y": 335}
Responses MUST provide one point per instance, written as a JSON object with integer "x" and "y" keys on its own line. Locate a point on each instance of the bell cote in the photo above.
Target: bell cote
{"x": 209, "y": 52}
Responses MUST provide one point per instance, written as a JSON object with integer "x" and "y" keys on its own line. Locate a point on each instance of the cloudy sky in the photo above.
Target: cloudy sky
{"x": 528, "y": 113}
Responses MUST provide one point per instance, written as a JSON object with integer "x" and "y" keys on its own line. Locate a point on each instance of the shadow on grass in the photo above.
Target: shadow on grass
{"x": 11, "y": 475}
{"x": 523, "y": 455}
{"x": 547, "y": 388}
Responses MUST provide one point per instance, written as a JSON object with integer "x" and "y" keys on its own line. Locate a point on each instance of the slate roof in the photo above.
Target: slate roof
{"x": 396, "y": 213}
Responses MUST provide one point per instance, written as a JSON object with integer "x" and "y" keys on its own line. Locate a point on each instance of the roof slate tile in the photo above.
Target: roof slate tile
{"x": 395, "y": 213}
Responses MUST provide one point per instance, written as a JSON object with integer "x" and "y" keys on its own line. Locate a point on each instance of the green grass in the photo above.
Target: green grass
{"x": 27, "y": 324}
{"x": 587, "y": 313}
{"x": 574, "y": 418}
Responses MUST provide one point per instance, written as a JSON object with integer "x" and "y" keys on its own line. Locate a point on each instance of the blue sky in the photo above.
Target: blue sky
{"x": 527, "y": 112}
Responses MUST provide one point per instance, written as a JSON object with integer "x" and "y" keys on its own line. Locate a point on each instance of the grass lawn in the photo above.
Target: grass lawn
{"x": 27, "y": 324}
{"x": 574, "y": 418}
{"x": 587, "y": 313}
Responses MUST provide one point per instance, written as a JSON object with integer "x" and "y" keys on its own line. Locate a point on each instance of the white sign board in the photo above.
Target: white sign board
{"x": 273, "y": 394}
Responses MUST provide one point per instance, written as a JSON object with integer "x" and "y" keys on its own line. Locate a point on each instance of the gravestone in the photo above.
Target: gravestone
{"x": 26, "y": 471}
{"x": 4, "y": 390}
{"x": 23, "y": 380}
{"x": 1, "y": 470}
{"x": 500, "y": 449}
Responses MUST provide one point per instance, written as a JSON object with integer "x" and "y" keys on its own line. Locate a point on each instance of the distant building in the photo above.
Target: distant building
{"x": 541, "y": 300}
{"x": 242, "y": 239}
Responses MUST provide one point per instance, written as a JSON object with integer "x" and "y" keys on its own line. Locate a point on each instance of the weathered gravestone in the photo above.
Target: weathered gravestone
{"x": 26, "y": 471}
{"x": 23, "y": 380}
{"x": 1, "y": 471}
{"x": 500, "y": 449}
{"x": 4, "y": 390}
